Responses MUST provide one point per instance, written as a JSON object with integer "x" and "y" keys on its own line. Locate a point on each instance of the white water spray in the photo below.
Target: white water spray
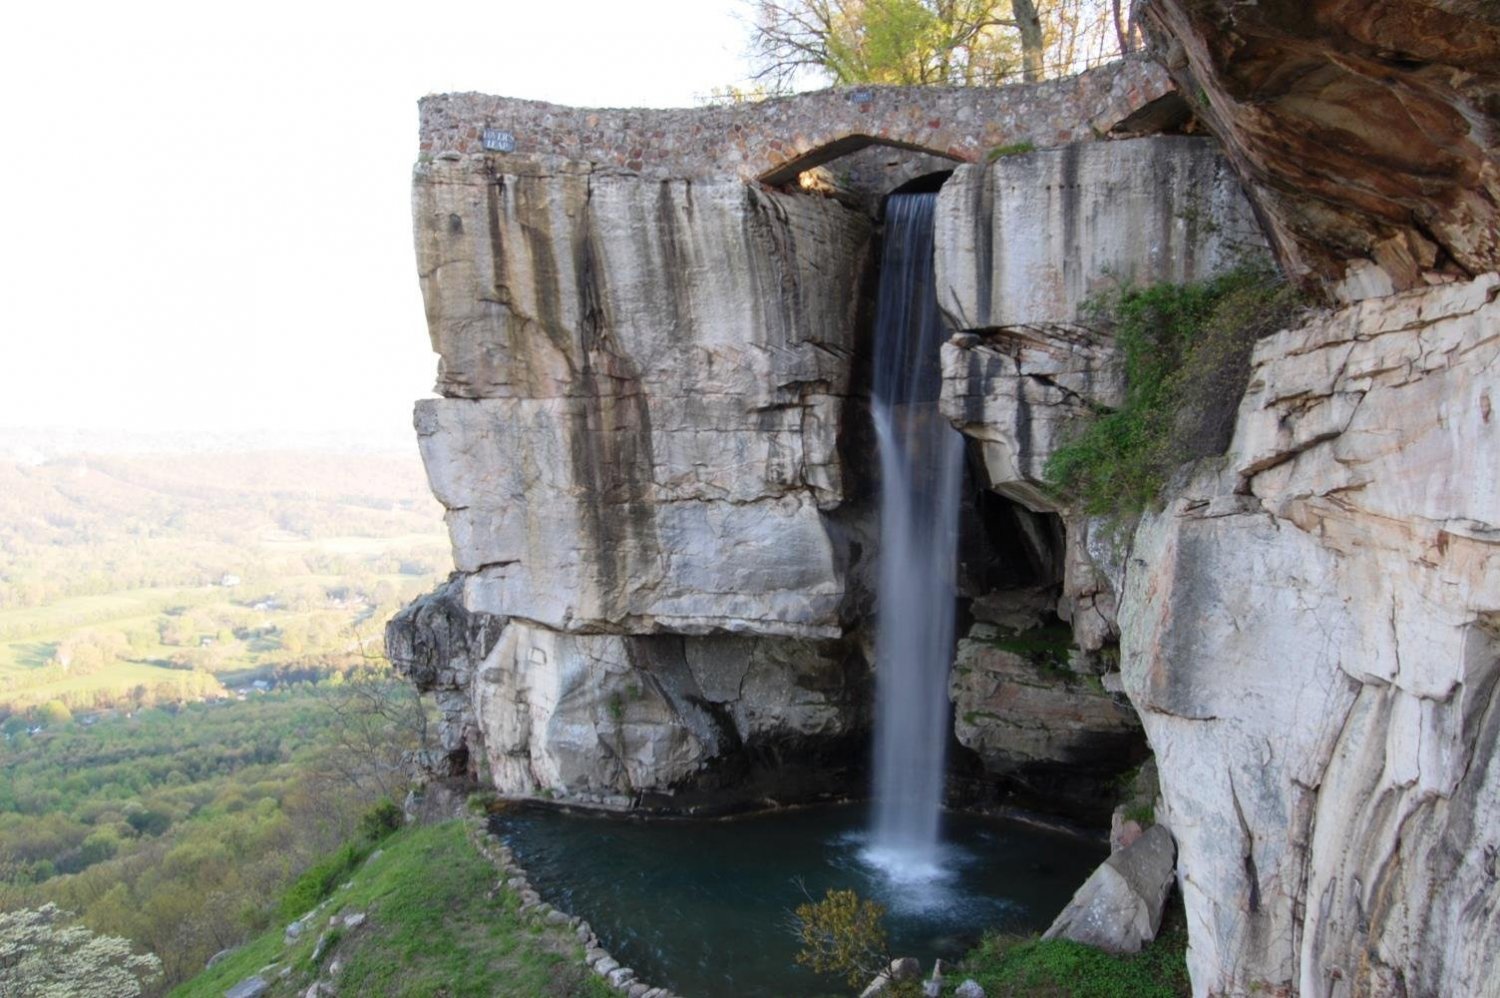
{"x": 921, "y": 472}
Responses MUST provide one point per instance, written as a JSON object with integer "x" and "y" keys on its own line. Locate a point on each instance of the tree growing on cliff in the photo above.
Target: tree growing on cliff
{"x": 955, "y": 42}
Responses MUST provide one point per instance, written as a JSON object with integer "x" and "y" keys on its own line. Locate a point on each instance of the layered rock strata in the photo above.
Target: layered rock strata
{"x": 644, "y": 385}
{"x": 1312, "y": 636}
{"x": 644, "y": 390}
{"x": 649, "y": 381}
{"x": 1048, "y": 730}
{"x": 1025, "y": 243}
{"x": 1365, "y": 129}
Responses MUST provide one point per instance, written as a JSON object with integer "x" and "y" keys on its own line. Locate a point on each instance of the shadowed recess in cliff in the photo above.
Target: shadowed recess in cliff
{"x": 921, "y": 470}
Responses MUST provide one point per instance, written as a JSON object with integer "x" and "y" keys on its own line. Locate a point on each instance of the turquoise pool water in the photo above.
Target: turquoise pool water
{"x": 705, "y": 907}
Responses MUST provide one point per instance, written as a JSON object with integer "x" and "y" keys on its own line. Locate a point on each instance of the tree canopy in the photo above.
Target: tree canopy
{"x": 955, "y": 42}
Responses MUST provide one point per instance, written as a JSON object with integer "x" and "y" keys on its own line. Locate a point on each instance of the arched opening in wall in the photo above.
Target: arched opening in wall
{"x": 927, "y": 183}
{"x": 860, "y": 170}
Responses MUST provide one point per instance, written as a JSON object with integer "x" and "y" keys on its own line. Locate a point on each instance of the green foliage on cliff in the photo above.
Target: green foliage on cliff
{"x": 1186, "y": 351}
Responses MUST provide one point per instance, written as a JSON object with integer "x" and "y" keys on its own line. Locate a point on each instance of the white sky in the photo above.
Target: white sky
{"x": 209, "y": 218}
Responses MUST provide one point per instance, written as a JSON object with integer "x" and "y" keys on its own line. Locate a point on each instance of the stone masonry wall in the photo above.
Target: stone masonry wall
{"x": 775, "y": 139}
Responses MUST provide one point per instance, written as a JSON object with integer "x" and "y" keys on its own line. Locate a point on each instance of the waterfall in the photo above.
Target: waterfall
{"x": 920, "y": 471}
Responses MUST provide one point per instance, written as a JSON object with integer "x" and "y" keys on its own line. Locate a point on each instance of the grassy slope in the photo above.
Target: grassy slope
{"x": 433, "y": 928}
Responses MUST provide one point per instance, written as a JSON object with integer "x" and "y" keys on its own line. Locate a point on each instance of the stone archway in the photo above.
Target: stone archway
{"x": 788, "y": 171}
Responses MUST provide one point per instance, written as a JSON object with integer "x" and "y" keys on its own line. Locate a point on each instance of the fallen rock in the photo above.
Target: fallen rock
{"x": 250, "y": 987}
{"x": 904, "y": 968}
{"x": 1118, "y": 909}
{"x": 969, "y": 989}
{"x": 354, "y": 920}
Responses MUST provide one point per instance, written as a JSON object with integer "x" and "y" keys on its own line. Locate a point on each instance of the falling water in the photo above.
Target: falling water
{"x": 920, "y": 468}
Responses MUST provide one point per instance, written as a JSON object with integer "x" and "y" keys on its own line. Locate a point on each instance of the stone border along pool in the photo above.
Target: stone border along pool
{"x": 476, "y": 819}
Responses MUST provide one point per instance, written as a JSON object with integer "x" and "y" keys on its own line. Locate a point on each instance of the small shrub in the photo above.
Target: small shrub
{"x": 1010, "y": 149}
{"x": 319, "y": 880}
{"x": 1187, "y": 360}
{"x": 381, "y": 820}
{"x": 844, "y": 935}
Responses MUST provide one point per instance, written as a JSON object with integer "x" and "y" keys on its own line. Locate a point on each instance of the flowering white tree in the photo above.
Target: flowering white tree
{"x": 45, "y": 954}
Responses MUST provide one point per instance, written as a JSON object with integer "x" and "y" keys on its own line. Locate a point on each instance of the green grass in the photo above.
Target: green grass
{"x": 433, "y": 927}
{"x": 1026, "y": 967}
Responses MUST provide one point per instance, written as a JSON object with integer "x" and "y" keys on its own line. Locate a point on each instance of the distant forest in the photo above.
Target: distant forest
{"x": 194, "y": 707}
{"x": 134, "y": 580}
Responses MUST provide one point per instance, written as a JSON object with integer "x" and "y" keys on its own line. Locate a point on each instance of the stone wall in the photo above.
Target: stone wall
{"x": 775, "y": 139}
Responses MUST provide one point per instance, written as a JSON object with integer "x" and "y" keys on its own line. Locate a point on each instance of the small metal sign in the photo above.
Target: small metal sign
{"x": 862, "y": 96}
{"x": 496, "y": 140}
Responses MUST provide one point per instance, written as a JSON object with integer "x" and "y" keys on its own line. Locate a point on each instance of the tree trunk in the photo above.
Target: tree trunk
{"x": 1123, "y": 29}
{"x": 1030, "y": 27}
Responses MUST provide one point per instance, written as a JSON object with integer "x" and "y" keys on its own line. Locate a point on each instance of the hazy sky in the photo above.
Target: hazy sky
{"x": 209, "y": 213}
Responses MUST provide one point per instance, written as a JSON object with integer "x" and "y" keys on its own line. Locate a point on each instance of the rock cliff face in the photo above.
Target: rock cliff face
{"x": 644, "y": 388}
{"x": 651, "y": 447}
{"x": 1311, "y": 638}
{"x": 1364, "y": 128}
{"x": 1309, "y": 629}
{"x": 651, "y": 441}
{"x": 1024, "y": 242}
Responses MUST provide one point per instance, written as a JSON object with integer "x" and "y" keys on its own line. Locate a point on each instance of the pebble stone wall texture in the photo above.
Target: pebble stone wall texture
{"x": 513, "y": 878}
{"x": 773, "y": 140}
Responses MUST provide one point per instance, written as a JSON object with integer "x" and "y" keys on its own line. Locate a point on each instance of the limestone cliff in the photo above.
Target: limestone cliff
{"x": 1309, "y": 628}
{"x": 651, "y": 439}
{"x": 651, "y": 445}
{"x": 1312, "y": 636}
{"x": 644, "y": 387}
